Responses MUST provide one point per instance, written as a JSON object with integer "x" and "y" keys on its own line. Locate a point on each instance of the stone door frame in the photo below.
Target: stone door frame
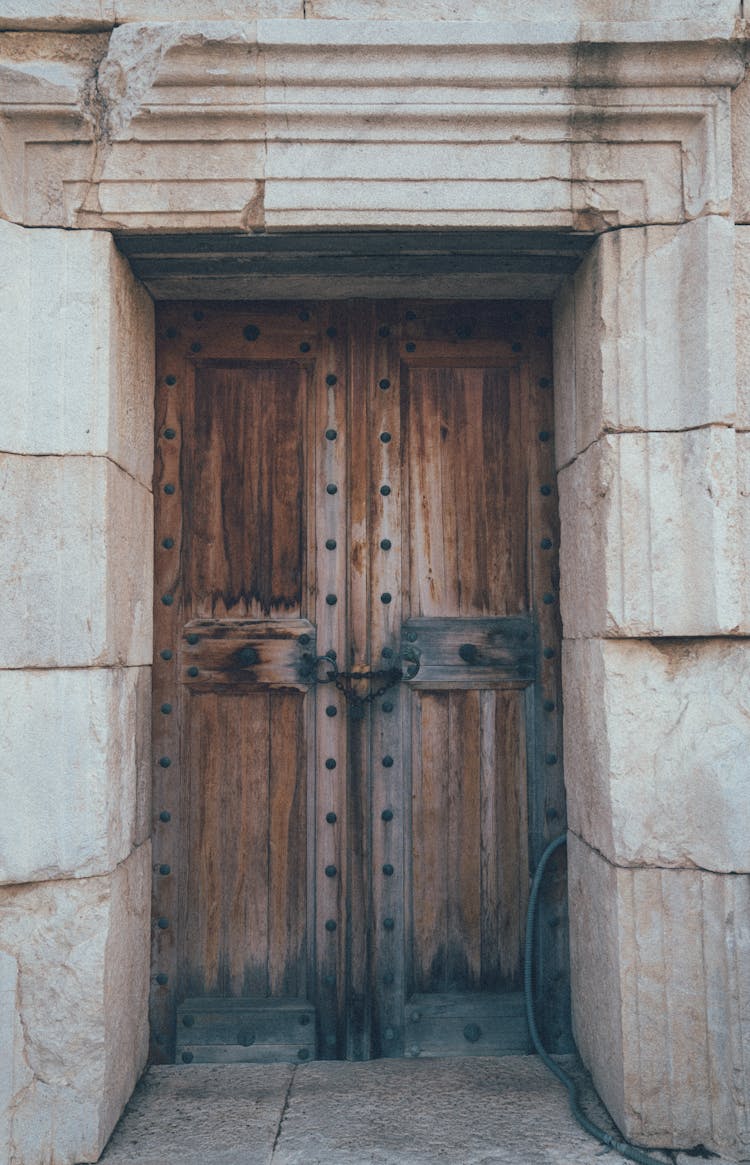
{"x": 652, "y": 453}
{"x": 639, "y": 285}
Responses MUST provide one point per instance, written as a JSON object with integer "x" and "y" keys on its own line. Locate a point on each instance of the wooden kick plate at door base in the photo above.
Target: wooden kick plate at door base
{"x": 464, "y": 1024}
{"x": 245, "y": 1031}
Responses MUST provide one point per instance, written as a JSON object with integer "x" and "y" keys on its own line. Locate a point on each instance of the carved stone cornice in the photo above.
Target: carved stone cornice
{"x": 377, "y": 124}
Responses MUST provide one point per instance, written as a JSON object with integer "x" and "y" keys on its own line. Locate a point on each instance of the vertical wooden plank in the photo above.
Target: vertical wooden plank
{"x": 511, "y": 842}
{"x": 545, "y": 757}
{"x": 287, "y": 866}
{"x": 467, "y": 450}
{"x": 490, "y": 843}
{"x": 172, "y": 383}
{"x": 504, "y": 491}
{"x": 446, "y": 433}
{"x": 472, "y": 475}
{"x": 462, "y": 856}
{"x": 245, "y": 477}
{"x": 430, "y": 816}
{"x": 363, "y": 359}
{"x": 389, "y": 748}
{"x": 284, "y": 517}
{"x": 201, "y": 921}
{"x": 227, "y": 937}
{"x": 329, "y": 441}
{"x": 243, "y": 789}
{"x": 433, "y": 583}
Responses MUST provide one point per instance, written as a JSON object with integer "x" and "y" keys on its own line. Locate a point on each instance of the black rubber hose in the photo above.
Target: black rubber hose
{"x": 627, "y": 1150}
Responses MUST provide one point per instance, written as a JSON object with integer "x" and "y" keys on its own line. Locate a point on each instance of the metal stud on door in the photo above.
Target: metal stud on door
{"x": 357, "y": 676}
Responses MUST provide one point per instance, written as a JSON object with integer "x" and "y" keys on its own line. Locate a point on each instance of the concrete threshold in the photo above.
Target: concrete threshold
{"x": 473, "y": 1111}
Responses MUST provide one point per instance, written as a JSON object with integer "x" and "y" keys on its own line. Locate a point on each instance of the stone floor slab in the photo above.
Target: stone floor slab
{"x": 431, "y": 1112}
{"x": 202, "y": 1115}
{"x": 478, "y": 1111}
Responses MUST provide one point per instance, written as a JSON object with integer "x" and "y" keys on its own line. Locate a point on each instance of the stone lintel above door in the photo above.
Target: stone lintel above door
{"x": 313, "y": 125}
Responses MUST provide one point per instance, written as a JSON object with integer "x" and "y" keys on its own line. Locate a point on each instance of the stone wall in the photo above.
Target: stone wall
{"x": 651, "y": 444}
{"x": 605, "y": 119}
{"x": 88, "y": 14}
{"x": 381, "y": 124}
{"x": 75, "y": 578}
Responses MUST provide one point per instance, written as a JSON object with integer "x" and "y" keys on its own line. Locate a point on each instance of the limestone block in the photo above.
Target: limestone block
{"x": 86, "y": 14}
{"x": 74, "y": 15}
{"x": 167, "y": 10}
{"x": 91, "y": 14}
{"x": 47, "y": 81}
{"x": 358, "y": 118}
{"x": 645, "y": 336}
{"x": 71, "y": 769}
{"x": 537, "y": 10}
{"x": 75, "y": 563}
{"x": 76, "y": 343}
{"x": 342, "y": 174}
{"x": 66, "y": 15}
{"x": 182, "y": 127}
{"x": 390, "y": 80}
{"x": 743, "y": 474}
{"x": 742, "y": 302}
{"x": 661, "y": 990}
{"x": 10, "y": 1046}
{"x": 741, "y": 151}
{"x": 650, "y": 536}
{"x": 82, "y": 952}
{"x": 657, "y": 750}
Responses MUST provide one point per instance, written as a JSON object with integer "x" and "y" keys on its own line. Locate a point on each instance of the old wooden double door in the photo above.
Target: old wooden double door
{"x": 356, "y": 676}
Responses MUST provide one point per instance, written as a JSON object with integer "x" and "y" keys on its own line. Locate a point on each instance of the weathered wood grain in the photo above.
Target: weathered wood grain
{"x": 244, "y": 498}
{"x": 544, "y": 717}
{"x": 504, "y": 838}
{"x": 455, "y": 653}
{"x": 430, "y": 776}
{"x": 328, "y": 465}
{"x": 247, "y": 654}
{"x": 366, "y": 355}
{"x": 276, "y": 1053}
{"x": 234, "y": 510}
{"x": 389, "y": 745}
{"x": 167, "y": 787}
{"x": 469, "y": 1024}
{"x": 469, "y": 822}
{"x": 244, "y": 926}
{"x": 468, "y": 475}
{"x": 366, "y": 476}
{"x": 287, "y": 848}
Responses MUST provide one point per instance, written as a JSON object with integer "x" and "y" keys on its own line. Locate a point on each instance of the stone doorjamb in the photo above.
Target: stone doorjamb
{"x": 386, "y": 127}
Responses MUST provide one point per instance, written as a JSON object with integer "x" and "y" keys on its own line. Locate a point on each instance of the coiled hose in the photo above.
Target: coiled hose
{"x": 627, "y": 1150}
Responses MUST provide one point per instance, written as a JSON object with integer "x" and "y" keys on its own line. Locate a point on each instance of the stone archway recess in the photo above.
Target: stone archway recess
{"x": 388, "y": 126}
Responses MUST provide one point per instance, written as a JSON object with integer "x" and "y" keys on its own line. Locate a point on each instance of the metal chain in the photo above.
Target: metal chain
{"x": 352, "y": 697}
{"x": 391, "y": 676}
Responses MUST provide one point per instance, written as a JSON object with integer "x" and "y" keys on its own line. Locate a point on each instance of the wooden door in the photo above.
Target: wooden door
{"x": 356, "y": 679}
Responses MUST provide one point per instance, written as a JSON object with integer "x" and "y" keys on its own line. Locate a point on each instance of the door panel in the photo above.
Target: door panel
{"x": 244, "y": 491}
{"x": 469, "y": 840}
{"x": 347, "y": 492}
{"x": 245, "y": 900}
{"x": 468, "y": 470}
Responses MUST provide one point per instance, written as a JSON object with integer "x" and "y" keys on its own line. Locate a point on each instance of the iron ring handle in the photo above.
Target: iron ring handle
{"x": 412, "y": 660}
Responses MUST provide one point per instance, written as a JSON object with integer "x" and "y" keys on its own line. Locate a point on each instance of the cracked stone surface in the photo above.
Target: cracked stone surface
{"x": 509, "y": 1111}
